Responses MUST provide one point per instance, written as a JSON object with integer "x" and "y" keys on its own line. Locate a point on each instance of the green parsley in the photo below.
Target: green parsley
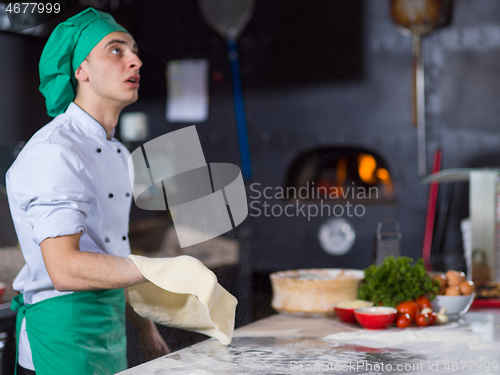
{"x": 395, "y": 281}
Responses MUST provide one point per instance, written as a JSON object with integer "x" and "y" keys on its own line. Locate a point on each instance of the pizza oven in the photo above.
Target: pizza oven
{"x": 340, "y": 173}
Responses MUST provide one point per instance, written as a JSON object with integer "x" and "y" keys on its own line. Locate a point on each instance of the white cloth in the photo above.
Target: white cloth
{"x": 67, "y": 179}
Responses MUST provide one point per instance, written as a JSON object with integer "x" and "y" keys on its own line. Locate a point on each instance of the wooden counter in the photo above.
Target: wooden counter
{"x": 282, "y": 344}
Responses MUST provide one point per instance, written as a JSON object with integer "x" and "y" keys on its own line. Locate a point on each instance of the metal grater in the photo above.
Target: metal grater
{"x": 388, "y": 242}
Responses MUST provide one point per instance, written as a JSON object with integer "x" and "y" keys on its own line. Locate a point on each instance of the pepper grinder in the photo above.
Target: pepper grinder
{"x": 388, "y": 242}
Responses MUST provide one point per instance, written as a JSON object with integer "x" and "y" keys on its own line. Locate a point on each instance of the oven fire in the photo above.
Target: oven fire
{"x": 339, "y": 173}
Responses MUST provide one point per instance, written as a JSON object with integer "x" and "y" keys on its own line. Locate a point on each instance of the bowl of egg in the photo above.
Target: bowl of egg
{"x": 456, "y": 294}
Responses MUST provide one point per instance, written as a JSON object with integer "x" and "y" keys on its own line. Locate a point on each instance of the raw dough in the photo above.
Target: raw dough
{"x": 183, "y": 293}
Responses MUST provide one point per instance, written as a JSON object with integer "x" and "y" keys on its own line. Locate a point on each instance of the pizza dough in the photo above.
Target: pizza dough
{"x": 183, "y": 293}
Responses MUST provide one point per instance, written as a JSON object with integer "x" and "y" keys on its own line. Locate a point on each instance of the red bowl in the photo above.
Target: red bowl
{"x": 377, "y": 317}
{"x": 345, "y": 314}
{"x": 2, "y": 289}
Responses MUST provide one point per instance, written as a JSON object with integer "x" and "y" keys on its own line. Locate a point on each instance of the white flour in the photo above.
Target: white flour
{"x": 448, "y": 343}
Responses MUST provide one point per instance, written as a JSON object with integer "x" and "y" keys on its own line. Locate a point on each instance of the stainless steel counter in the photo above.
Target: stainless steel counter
{"x": 283, "y": 344}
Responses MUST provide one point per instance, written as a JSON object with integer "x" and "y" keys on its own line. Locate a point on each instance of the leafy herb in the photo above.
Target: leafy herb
{"x": 396, "y": 280}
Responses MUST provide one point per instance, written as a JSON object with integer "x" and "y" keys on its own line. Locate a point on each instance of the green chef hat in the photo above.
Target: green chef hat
{"x": 67, "y": 47}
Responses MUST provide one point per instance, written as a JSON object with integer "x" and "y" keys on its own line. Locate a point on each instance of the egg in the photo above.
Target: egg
{"x": 452, "y": 291}
{"x": 441, "y": 279}
{"x": 453, "y": 278}
{"x": 462, "y": 275}
{"x": 467, "y": 287}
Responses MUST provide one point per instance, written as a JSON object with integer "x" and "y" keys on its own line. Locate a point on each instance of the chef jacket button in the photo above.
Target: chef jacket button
{"x": 98, "y": 150}
{"x": 119, "y": 150}
{"x": 106, "y": 239}
{"x": 124, "y": 238}
{"x": 127, "y": 195}
{"x": 110, "y": 195}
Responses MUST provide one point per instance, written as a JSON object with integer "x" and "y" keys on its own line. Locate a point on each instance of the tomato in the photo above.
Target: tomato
{"x": 408, "y": 307}
{"x": 431, "y": 318}
{"x": 423, "y": 302}
{"x": 403, "y": 320}
{"x": 422, "y": 320}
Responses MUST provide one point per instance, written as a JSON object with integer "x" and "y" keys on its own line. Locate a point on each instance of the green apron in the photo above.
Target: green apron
{"x": 82, "y": 333}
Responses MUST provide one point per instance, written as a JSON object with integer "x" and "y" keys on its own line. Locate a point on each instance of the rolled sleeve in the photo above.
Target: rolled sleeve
{"x": 48, "y": 185}
{"x": 57, "y": 221}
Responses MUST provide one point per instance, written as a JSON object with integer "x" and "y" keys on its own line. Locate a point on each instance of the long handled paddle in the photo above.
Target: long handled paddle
{"x": 229, "y": 18}
{"x": 418, "y": 18}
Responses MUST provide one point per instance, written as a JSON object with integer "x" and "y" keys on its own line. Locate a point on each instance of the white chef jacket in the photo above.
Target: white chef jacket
{"x": 67, "y": 179}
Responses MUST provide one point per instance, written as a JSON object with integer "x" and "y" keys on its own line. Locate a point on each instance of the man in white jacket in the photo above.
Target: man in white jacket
{"x": 69, "y": 194}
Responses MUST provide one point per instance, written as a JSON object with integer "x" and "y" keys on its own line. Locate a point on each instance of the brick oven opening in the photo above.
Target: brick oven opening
{"x": 346, "y": 173}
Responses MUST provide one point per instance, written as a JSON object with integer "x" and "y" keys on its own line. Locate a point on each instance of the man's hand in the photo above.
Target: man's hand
{"x": 152, "y": 344}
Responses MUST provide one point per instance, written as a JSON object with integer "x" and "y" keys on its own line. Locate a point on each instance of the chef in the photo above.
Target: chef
{"x": 69, "y": 194}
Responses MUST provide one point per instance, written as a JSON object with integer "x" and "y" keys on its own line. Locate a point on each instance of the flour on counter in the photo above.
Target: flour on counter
{"x": 451, "y": 342}
{"x": 452, "y": 332}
